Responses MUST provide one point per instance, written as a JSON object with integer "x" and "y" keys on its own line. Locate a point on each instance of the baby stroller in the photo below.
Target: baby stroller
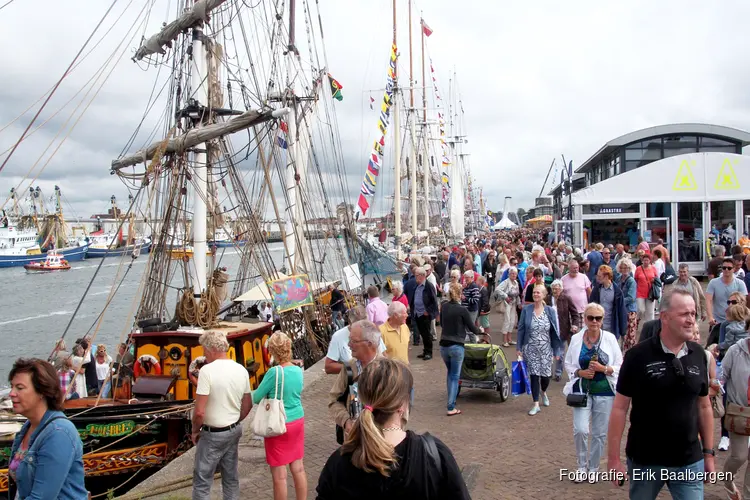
{"x": 485, "y": 367}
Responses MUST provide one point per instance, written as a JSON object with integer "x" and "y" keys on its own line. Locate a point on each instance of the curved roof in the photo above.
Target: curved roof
{"x": 703, "y": 129}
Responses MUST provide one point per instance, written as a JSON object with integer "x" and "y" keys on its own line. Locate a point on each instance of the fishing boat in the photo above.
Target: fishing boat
{"x": 114, "y": 243}
{"x": 53, "y": 262}
{"x": 101, "y": 250}
{"x": 25, "y": 238}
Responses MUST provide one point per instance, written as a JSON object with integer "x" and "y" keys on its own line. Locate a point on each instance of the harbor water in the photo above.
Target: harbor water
{"x": 37, "y": 307}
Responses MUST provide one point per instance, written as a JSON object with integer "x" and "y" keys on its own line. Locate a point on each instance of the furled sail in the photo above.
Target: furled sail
{"x": 198, "y": 13}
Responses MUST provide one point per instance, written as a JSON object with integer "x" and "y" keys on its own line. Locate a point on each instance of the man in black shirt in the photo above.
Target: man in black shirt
{"x": 666, "y": 380}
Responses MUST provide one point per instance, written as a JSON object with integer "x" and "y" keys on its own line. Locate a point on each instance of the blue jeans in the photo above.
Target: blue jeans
{"x": 453, "y": 357}
{"x": 337, "y": 319}
{"x": 646, "y": 481}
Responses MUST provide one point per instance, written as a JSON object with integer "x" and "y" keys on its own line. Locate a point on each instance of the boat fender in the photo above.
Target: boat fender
{"x": 149, "y": 322}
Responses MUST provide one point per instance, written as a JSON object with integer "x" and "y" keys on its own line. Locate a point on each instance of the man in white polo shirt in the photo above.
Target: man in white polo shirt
{"x": 222, "y": 401}
{"x": 339, "y": 352}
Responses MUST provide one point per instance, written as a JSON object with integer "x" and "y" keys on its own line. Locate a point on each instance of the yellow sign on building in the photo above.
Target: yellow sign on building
{"x": 727, "y": 178}
{"x": 684, "y": 180}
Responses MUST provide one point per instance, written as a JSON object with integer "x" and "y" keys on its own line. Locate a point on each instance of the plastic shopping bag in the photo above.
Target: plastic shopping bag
{"x": 521, "y": 383}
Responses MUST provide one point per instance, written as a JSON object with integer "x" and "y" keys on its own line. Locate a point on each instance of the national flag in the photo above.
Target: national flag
{"x": 283, "y": 126}
{"x": 282, "y": 142}
{"x": 335, "y": 88}
{"x": 426, "y": 29}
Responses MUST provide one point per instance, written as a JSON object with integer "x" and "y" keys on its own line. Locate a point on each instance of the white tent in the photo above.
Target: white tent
{"x": 504, "y": 223}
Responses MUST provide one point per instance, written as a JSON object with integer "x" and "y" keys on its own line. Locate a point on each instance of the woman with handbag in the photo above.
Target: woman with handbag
{"x": 283, "y": 382}
{"x": 508, "y": 296}
{"x": 735, "y": 375}
{"x": 380, "y": 458}
{"x": 46, "y": 460}
{"x": 645, "y": 274}
{"x": 593, "y": 364}
{"x": 538, "y": 341}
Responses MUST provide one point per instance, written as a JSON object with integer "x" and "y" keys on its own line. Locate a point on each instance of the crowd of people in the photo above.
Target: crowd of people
{"x": 620, "y": 324}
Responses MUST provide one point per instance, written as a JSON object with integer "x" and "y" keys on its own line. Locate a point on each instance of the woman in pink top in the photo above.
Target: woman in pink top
{"x": 644, "y": 276}
{"x": 397, "y": 288}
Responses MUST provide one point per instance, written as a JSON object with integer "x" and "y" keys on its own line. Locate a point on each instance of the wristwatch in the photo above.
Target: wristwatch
{"x": 709, "y": 451}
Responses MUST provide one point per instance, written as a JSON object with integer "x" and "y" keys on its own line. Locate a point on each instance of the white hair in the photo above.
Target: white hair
{"x": 395, "y": 308}
{"x": 420, "y": 272}
{"x": 557, "y": 283}
{"x": 214, "y": 341}
{"x": 469, "y": 274}
{"x": 397, "y": 285}
{"x": 455, "y": 274}
{"x": 370, "y": 331}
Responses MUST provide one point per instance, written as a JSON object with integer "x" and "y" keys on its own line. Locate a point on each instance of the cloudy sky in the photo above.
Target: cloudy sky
{"x": 537, "y": 80}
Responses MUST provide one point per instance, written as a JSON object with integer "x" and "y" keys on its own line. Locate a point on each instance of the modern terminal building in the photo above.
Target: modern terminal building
{"x": 687, "y": 184}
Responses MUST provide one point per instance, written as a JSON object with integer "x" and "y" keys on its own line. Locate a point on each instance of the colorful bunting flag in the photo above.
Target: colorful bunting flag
{"x": 367, "y": 190}
{"x": 426, "y": 29}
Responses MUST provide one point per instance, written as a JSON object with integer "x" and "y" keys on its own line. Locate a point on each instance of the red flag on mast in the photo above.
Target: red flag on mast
{"x": 426, "y": 29}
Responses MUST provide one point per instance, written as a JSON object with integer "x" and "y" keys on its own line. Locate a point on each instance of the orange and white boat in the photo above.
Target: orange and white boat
{"x": 53, "y": 262}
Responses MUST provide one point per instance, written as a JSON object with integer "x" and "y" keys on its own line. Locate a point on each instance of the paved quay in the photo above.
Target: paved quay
{"x": 505, "y": 453}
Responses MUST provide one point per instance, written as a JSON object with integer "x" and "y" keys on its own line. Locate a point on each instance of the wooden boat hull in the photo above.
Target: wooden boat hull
{"x": 122, "y": 443}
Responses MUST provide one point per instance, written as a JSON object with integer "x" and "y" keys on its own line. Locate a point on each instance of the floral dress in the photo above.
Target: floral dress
{"x": 538, "y": 350}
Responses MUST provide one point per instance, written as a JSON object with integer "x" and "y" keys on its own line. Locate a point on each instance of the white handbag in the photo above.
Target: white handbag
{"x": 270, "y": 418}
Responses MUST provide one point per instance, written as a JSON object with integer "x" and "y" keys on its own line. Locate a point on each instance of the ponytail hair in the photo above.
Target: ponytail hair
{"x": 384, "y": 387}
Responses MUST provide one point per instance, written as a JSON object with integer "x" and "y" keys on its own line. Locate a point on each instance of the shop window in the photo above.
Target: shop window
{"x": 723, "y": 220}
{"x": 690, "y": 231}
{"x": 746, "y": 215}
{"x": 658, "y": 210}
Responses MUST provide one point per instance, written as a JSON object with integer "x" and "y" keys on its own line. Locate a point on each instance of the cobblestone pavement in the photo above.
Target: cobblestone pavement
{"x": 512, "y": 455}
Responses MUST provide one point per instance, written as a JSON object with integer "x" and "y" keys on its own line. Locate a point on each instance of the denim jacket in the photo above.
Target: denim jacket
{"x": 53, "y": 465}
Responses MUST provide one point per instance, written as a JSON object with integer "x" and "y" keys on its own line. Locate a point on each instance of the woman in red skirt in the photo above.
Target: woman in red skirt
{"x": 288, "y": 448}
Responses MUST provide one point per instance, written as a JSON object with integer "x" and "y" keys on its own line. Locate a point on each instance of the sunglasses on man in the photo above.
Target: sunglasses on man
{"x": 727, "y": 268}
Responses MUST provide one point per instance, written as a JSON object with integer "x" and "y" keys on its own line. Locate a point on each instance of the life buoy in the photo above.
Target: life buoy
{"x": 139, "y": 370}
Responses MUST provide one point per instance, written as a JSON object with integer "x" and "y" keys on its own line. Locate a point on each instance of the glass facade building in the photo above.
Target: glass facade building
{"x": 663, "y": 202}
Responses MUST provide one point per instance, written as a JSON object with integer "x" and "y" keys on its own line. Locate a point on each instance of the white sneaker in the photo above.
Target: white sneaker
{"x": 534, "y": 410}
{"x": 724, "y": 443}
{"x": 580, "y": 476}
{"x": 545, "y": 399}
{"x": 594, "y": 473}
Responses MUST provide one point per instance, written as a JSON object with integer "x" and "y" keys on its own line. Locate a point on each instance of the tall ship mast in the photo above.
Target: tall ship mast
{"x": 245, "y": 137}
